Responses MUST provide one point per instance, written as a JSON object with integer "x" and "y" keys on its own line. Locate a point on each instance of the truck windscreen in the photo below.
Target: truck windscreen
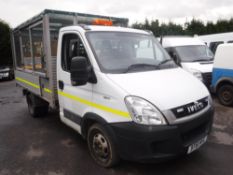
{"x": 123, "y": 52}
{"x": 194, "y": 53}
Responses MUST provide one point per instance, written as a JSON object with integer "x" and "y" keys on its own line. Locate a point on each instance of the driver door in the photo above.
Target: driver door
{"x": 71, "y": 97}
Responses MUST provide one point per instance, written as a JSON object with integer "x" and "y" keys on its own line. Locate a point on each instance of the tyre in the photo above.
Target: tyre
{"x": 225, "y": 94}
{"x": 36, "y": 106}
{"x": 101, "y": 146}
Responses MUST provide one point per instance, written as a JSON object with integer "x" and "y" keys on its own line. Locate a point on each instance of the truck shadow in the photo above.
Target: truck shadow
{"x": 75, "y": 146}
{"x": 51, "y": 146}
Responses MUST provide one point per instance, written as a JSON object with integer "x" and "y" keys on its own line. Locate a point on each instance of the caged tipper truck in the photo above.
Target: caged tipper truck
{"x": 114, "y": 85}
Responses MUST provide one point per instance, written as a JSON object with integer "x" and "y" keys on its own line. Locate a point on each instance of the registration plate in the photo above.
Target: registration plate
{"x": 196, "y": 145}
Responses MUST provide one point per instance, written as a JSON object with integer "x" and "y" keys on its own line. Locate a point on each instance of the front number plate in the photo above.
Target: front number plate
{"x": 196, "y": 145}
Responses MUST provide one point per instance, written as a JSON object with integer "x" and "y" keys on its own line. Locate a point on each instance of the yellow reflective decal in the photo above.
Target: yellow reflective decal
{"x": 27, "y": 82}
{"x": 98, "y": 106}
{"x": 47, "y": 90}
{"x": 32, "y": 84}
{"x": 80, "y": 100}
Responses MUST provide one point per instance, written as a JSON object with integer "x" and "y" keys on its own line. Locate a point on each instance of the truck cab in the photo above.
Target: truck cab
{"x": 192, "y": 55}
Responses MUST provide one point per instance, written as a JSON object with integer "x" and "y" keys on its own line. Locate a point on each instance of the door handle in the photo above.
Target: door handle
{"x": 61, "y": 84}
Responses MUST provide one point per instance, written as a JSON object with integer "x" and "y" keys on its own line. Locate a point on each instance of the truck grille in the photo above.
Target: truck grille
{"x": 207, "y": 77}
{"x": 191, "y": 108}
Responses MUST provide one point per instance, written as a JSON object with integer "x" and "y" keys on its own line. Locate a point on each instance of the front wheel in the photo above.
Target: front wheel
{"x": 225, "y": 95}
{"x": 101, "y": 146}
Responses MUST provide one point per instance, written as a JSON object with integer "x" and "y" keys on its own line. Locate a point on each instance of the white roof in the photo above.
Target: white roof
{"x": 225, "y": 37}
{"x": 107, "y": 28}
{"x": 181, "y": 41}
{"x": 217, "y": 35}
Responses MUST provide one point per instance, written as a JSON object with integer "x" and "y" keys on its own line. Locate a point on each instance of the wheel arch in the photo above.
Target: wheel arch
{"x": 223, "y": 81}
{"x": 88, "y": 120}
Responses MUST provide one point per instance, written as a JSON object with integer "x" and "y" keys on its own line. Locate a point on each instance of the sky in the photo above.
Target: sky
{"x": 179, "y": 11}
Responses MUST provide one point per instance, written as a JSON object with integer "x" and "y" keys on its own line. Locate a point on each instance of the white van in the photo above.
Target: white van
{"x": 192, "y": 55}
{"x": 117, "y": 87}
{"x": 222, "y": 82}
{"x": 213, "y": 40}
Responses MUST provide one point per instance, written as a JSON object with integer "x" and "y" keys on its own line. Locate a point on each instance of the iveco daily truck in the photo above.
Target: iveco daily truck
{"x": 116, "y": 86}
{"x": 192, "y": 55}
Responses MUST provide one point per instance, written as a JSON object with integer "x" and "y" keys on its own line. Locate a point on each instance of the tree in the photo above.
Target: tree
{"x": 195, "y": 27}
{"x": 171, "y": 29}
{"x": 191, "y": 28}
{"x": 224, "y": 26}
{"x": 160, "y": 29}
{"x": 5, "y": 44}
{"x": 210, "y": 28}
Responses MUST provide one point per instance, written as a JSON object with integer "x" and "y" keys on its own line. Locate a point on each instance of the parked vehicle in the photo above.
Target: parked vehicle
{"x": 192, "y": 55}
{"x": 213, "y": 40}
{"x": 115, "y": 86}
{"x": 6, "y": 73}
{"x": 222, "y": 82}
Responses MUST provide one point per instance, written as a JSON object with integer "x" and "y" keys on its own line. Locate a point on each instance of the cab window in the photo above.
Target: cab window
{"x": 72, "y": 46}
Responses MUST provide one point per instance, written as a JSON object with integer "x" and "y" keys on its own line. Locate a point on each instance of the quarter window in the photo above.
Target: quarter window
{"x": 214, "y": 46}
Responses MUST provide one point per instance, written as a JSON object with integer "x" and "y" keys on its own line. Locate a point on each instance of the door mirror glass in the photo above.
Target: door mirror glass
{"x": 175, "y": 57}
{"x": 80, "y": 71}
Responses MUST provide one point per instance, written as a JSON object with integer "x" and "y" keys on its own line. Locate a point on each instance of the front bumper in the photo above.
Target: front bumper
{"x": 155, "y": 143}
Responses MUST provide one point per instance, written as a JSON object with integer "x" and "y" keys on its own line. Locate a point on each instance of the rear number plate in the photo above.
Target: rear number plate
{"x": 196, "y": 145}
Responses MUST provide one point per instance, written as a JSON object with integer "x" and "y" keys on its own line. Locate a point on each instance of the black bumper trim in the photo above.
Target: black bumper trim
{"x": 146, "y": 143}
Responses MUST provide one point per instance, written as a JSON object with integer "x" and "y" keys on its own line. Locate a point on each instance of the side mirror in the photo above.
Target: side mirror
{"x": 175, "y": 58}
{"x": 80, "y": 71}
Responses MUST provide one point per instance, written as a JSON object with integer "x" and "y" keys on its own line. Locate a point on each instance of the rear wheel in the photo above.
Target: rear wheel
{"x": 101, "y": 146}
{"x": 225, "y": 94}
{"x": 36, "y": 106}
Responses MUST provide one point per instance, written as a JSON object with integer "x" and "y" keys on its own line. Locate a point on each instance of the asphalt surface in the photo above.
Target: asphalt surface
{"x": 45, "y": 146}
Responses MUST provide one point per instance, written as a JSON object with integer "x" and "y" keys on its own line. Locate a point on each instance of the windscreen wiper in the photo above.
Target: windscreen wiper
{"x": 202, "y": 59}
{"x": 164, "y": 61}
{"x": 141, "y": 65}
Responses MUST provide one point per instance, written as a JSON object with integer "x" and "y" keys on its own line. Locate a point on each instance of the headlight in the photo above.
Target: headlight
{"x": 143, "y": 112}
{"x": 197, "y": 74}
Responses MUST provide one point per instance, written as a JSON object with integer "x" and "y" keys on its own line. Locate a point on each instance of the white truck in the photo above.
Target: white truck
{"x": 192, "y": 55}
{"x": 213, "y": 40}
{"x": 114, "y": 85}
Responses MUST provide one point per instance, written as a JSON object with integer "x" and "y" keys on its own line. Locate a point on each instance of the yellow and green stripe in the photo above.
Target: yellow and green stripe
{"x": 32, "y": 84}
{"x": 78, "y": 99}
{"x": 47, "y": 90}
{"x": 27, "y": 82}
{"x": 95, "y": 105}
